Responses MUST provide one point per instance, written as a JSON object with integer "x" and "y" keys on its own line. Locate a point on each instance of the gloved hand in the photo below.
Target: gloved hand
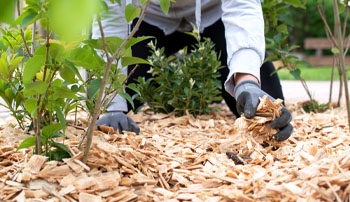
{"x": 119, "y": 121}
{"x": 247, "y": 94}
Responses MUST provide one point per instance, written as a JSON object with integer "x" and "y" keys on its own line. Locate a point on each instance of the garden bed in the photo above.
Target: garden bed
{"x": 184, "y": 159}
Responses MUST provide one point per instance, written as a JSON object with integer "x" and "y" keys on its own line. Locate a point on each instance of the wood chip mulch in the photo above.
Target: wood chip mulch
{"x": 208, "y": 158}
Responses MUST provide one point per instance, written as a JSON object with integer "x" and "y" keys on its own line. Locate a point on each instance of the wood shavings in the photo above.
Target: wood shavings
{"x": 259, "y": 126}
{"x": 179, "y": 159}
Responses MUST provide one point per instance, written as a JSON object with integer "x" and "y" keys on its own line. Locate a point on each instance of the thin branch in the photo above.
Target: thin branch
{"x": 22, "y": 34}
{"x": 345, "y": 18}
{"x": 104, "y": 81}
{"x": 110, "y": 101}
{"x": 47, "y": 89}
{"x": 47, "y": 51}
{"x": 331, "y": 85}
{"x": 326, "y": 24}
{"x": 103, "y": 38}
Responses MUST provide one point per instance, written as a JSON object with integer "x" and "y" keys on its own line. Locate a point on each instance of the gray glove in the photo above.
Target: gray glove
{"x": 119, "y": 121}
{"x": 247, "y": 94}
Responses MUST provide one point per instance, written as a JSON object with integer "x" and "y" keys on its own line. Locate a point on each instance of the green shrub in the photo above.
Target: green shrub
{"x": 188, "y": 83}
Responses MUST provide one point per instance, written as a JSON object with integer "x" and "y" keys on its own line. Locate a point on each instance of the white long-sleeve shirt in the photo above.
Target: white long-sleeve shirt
{"x": 244, "y": 30}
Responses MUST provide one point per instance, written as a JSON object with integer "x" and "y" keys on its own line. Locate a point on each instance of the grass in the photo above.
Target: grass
{"x": 312, "y": 73}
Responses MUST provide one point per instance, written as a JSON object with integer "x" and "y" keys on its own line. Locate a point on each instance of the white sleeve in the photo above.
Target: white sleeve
{"x": 114, "y": 24}
{"x": 244, "y": 32}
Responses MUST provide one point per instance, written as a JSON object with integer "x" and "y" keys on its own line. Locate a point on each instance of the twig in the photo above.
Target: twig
{"x": 103, "y": 38}
{"x": 345, "y": 18}
{"x": 104, "y": 81}
{"x": 22, "y": 34}
{"x": 331, "y": 85}
{"x": 47, "y": 51}
{"x": 326, "y": 25}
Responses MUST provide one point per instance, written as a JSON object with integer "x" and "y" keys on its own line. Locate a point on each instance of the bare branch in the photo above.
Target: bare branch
{"x": 103, "y": 38}
{"x": 326, "y": 24}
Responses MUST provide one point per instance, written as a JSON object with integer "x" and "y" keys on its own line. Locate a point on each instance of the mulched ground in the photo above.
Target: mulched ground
{"x": 184, "y": 159}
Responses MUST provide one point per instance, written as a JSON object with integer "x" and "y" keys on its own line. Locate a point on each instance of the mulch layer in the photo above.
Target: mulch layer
{"x": 205, "y": 158}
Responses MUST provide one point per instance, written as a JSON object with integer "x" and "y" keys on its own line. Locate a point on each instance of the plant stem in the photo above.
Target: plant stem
{"x": 103, "y": 38}
{"x": 341, "y": 54}
{"x": 340, "y": 73}
{"x": 331, "y": 85}
{"x": 104, "y": 81}
{"x": 326, "y": 25}
{"x": 22, "y": 34}
{"x": 345, "y": 18}
{"x": 47, "y": 51}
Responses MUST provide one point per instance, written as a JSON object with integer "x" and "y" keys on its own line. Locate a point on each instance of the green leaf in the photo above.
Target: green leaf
{"x": 165, "y": 5}
{"x": 69, "y": 18}
{"x": 35, "y": 88}
{"x": 48, "y": 130}
{"x": 335, "y": 50}
{"x": 71, "y": 66}
{"x": 4, "y": 69}
{"x": 61, "y": 119}
{"x": 94, "y": 87}
{"x": 28, "y": 142}
{"x": 63, "y": 92}
{"x": 60, "y": 147}
{"x": 131, "y": 12}
{"x": 67, "y": 74}
{"x": 32, "y": 67}
{"x": 127, "y": 97}
{"x": 14, "y": 63}
{"x": 56, "y": 135}
{"x": 10, "y": 95}
{"x": 29, "y": 18}
{"x": 30, "y": 105}
{"x": 86, "y": 58}
{"x": 126, "y": 61}
{"x": 295, "y": 73}
{"x": 7, "y": 8}
{"x": 282, "y": 28}
{"x": 133, "y": 87}
{"x": 296, "y": 3}
{"x": 56, "y": 51}
{"x": 135, "y": 40}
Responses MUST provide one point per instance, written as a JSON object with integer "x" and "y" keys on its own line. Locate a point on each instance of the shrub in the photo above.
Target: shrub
{"x": 188, "y": 83}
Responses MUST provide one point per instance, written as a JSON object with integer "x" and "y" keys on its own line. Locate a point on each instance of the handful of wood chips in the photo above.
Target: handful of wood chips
{"x": 259, "y": 127}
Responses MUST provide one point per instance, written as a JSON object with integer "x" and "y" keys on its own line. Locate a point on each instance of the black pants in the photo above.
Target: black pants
{"x": 178, "y": 40}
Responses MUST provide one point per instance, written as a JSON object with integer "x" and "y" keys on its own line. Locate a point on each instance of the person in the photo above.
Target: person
{"x": 237, "y": 29}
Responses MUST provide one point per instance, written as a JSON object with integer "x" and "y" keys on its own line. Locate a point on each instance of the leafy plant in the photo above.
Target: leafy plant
{"x": 39, "y": 77}
{"x": 188, "y": 84}
{"x": 277, "y": 20}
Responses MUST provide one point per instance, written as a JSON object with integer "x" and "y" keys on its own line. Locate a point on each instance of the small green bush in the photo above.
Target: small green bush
{"x": 187, "y": 83}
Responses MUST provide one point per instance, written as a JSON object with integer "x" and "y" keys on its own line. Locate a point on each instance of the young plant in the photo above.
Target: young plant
{"x": 337, "y": 39}
{"x": 186, "y": 84}
{"x": 40, "y": 77}
{"x": 276, "y": 33}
